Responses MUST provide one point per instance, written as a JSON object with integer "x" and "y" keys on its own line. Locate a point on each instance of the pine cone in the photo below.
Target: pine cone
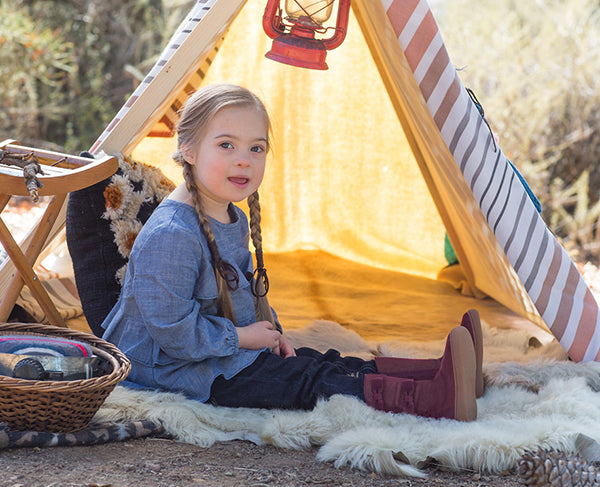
{"x": 556, "y": 469}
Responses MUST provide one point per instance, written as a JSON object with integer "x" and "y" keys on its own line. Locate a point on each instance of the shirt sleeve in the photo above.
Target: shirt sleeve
{"x": 167, "y": 267}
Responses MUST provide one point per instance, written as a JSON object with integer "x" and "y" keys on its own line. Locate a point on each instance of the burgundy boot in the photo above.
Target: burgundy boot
{"x": 449, "y": 394}
{"x": 427, "y": 368}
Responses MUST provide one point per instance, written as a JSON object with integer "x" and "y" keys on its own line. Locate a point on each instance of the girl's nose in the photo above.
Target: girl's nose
{"x": 242, "y": 161}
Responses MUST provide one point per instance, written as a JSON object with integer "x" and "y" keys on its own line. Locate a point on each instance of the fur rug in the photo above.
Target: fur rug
{"x": 538, "y": 400}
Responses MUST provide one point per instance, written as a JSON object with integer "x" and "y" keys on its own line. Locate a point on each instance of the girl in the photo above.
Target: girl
{"x": 193, "y": 318}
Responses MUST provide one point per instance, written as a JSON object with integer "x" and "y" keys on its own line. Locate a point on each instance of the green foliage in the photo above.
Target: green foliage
{"x": 110, "y": 44}
{"x": 37, "y": 71}
{"x": 534, "y": 66}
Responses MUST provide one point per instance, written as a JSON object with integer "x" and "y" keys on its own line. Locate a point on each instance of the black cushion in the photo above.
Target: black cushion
{"x": 97, "y": 259}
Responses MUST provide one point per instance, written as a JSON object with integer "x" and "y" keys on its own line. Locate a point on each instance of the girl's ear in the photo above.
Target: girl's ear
{"x": 188, "y": 154}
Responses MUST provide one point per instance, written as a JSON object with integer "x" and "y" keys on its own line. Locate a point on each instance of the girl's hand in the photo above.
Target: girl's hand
{"x": 259, "y": 335}
{"x": 285, "y": 347}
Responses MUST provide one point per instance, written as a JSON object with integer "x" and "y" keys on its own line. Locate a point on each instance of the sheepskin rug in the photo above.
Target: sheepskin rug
{"x": 536, "y": 399}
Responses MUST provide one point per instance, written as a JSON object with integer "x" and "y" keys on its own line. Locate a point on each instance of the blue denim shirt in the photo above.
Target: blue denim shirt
{"x": 166, "y": 319}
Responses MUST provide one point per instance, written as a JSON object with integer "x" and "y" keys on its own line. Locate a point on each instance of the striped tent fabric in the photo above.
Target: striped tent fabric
{"x": 61, "y": 289}
{"x": 64, "y": 295}
{"x": 58, "y": 281}
{"x": 552, "y": 281}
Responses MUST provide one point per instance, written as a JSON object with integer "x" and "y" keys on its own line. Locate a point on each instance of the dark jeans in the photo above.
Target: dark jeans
{"x": 293, "y": 383}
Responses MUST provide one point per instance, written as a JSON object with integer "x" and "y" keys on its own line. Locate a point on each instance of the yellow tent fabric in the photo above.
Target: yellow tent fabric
{"x": 342, "y": 177}
{"x": 347, "y": 196}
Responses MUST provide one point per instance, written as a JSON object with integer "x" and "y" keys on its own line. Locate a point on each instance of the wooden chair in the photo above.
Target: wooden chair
{"x": 62, "y": 174}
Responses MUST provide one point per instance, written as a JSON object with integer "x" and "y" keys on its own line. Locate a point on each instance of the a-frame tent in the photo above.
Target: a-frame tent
{"x": 374, "y": 159}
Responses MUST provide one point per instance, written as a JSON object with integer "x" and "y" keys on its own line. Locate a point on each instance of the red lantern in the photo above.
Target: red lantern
{"x": 294, "y": 35}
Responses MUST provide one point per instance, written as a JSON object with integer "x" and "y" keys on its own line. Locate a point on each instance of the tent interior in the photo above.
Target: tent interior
{"x": 351, "y": 230}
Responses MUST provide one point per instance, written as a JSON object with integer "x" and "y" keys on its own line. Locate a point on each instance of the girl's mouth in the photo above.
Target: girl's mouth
{"x": 239, "y": 181}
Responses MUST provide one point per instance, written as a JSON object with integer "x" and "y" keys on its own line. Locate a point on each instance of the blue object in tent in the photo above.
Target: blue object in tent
{"x": 532, "y": 197}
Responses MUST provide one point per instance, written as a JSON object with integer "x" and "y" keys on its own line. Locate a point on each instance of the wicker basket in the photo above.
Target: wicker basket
{"x": 58, "y": 406}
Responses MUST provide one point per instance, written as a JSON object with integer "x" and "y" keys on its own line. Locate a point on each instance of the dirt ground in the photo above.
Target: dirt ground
{"x": 161, "y": 462}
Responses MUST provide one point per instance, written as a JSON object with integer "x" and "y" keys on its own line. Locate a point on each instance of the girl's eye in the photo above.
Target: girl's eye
{"x": 257, "y": 148}
{"x": 226, "y": 145}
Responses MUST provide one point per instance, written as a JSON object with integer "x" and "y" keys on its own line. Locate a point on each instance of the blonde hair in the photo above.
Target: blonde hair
{"x": 197, "y": 113}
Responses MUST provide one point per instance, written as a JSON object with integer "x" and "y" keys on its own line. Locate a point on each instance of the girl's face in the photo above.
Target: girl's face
{"x": 229, "y": 161}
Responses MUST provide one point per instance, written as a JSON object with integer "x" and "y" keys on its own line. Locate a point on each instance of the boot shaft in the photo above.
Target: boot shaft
{"x": 422, "y": 369}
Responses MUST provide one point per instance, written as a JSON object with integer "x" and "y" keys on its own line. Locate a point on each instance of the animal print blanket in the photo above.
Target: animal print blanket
{"x": 93, "y": 434}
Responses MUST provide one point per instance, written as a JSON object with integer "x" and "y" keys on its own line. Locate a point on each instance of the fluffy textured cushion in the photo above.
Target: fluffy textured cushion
{"x": 102, "y": 223}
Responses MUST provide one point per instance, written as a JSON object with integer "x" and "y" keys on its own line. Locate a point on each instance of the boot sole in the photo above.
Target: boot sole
{"x": 477, "y": 336}
{"x": 463, "y": 362}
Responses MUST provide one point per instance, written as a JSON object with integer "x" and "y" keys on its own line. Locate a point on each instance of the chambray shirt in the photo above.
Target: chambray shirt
{"x": 165, "y": 320}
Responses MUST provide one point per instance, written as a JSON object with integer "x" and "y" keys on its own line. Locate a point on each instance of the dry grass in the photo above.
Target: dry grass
{"x": 534, "y": 66}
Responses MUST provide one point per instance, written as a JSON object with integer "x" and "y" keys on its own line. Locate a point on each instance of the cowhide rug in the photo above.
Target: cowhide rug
{"x": 538, "y": 399}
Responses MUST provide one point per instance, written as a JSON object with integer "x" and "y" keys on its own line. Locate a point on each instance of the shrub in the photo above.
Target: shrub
{"x": 110, "y": 43}
{"x": 37, "y": 72}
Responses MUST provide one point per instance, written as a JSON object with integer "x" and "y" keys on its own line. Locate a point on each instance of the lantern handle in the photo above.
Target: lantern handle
{"x": 271, "y": 12}
{"x": 341, "y": 26}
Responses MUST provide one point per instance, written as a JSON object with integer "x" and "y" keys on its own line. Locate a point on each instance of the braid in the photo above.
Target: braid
{"x": 255, "y": 232}
{"x": 225, "y": 274}
{"x": 260, "y": 284}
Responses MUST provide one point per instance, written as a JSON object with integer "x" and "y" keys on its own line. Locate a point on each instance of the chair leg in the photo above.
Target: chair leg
{"x": 24, "y": 262}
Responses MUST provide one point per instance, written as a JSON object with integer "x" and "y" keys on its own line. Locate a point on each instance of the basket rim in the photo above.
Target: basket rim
{"x": 119, "y": 372}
